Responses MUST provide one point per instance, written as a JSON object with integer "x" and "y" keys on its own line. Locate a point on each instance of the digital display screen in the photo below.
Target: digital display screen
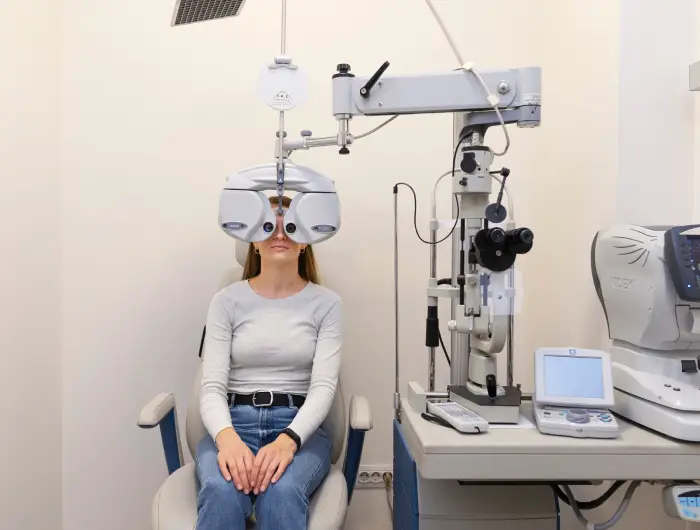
{"x": 570, "y": 376}
{"x": 694, "y": 244}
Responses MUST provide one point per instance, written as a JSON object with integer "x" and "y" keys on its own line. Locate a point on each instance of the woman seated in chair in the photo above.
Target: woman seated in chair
{"x": 271, "y": 361}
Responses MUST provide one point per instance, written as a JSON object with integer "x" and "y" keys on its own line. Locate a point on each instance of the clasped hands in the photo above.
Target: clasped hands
{"x": 253, "y": 473}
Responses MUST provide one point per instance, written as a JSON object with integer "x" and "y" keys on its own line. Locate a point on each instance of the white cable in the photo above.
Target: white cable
{"x": 331, "y": 141}
{"x": 445, "y": 32}
{"x": 387, "y": 122}
{"x": 433, "y": 205}
{"x": 493, "y": 100}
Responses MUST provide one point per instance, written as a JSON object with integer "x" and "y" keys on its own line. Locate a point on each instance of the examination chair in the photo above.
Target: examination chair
{"x": 175, "y": 503}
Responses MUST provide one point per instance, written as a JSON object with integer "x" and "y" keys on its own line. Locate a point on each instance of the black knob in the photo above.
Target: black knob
{"x": 343, "y": 71}
{"x": 344, "y": 151}
{"x": 491, "y": 385}
{"x": 468, "y": 164}
{"x": 268, "y": 227}
{"x": 291, "y": 228}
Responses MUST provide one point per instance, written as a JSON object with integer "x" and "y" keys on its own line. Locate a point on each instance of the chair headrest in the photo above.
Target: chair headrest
{"x": 241, "y": 251}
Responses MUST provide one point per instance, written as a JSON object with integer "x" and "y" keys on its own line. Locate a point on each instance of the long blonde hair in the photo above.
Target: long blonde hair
{"x": 307, "y": 262}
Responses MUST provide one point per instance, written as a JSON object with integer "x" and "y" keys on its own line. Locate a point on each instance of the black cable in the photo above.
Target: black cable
{"x": 595, "y": 503}
{"x": 201, "y": 344}
{"x": 415, "y": 200}
{"x": 415, "y": 214}
{"x": 443, "y": 348}
{"x": 460, "y": 277}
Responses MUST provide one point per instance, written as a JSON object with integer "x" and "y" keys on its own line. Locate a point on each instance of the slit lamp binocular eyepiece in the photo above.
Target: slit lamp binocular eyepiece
{"x": 496, "y": 249}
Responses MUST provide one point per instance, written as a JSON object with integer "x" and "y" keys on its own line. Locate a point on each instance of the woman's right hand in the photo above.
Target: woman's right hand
{"x": 235, "y": 459}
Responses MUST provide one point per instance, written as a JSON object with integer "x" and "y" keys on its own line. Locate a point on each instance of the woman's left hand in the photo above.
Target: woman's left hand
{"x": 271, "y": 461}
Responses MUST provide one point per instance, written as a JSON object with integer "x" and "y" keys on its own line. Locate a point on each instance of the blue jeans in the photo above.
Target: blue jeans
{"x": 284, "y": 505}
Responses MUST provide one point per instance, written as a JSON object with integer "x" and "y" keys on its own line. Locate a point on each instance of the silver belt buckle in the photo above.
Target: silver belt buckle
{"x": 255, "y": 398}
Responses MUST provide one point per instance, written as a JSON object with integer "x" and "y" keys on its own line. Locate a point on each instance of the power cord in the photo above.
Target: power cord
{"x": 558, "y": 510}
{"x": 389, "y": 487}
{"x": 595, "y": 503}
{"x": 415, "y": 214}
{"x": 415, "y": 200}
{"x": 443, "y": 347}
{"x": 610, "y": 522}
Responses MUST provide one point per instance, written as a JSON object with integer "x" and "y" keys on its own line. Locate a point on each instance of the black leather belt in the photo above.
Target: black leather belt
{"x": 265, "y": 398}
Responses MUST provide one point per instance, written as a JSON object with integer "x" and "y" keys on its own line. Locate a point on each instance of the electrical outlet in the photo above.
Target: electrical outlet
{"x": 373, "y": 476}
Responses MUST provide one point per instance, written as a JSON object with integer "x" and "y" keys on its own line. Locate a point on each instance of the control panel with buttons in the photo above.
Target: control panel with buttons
{"x": 683, "y": 502}
{"x": 682, "y": 255}
{"x": 576, "y": 422}
{"x": 574, "y": 392}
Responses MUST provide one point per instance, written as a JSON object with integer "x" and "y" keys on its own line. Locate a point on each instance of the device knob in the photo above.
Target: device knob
{"x": 496, "y": 213}
{"x": 468, "y": 164}
{"x": 344, "y": 151}
{"x": 491, "y": 387}
{"x": 343, "y": 71}
{"x": 578, "y": 416}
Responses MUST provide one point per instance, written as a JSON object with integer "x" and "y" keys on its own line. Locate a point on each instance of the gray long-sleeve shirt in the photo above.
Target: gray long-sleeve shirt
{"x": 289, "y": 345}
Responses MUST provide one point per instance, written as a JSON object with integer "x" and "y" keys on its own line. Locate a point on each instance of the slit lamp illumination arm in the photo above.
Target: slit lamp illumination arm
{"x": 493, "y": 97}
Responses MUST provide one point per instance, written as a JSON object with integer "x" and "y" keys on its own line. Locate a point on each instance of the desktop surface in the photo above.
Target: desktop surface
{"x": 510, "y": 453}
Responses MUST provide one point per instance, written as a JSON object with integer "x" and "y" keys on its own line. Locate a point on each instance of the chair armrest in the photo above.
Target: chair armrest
{"x": 360, "y": 414}
{"x": 155, "y": 410}
{"x": 360, "y": 420}
{"x": 161, "y": 411}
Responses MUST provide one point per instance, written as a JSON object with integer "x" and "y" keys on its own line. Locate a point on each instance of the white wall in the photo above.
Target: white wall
{"x": 656, "y": 112}
{"x": 30, "y": 383}
{"x": 154, "y": 117}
